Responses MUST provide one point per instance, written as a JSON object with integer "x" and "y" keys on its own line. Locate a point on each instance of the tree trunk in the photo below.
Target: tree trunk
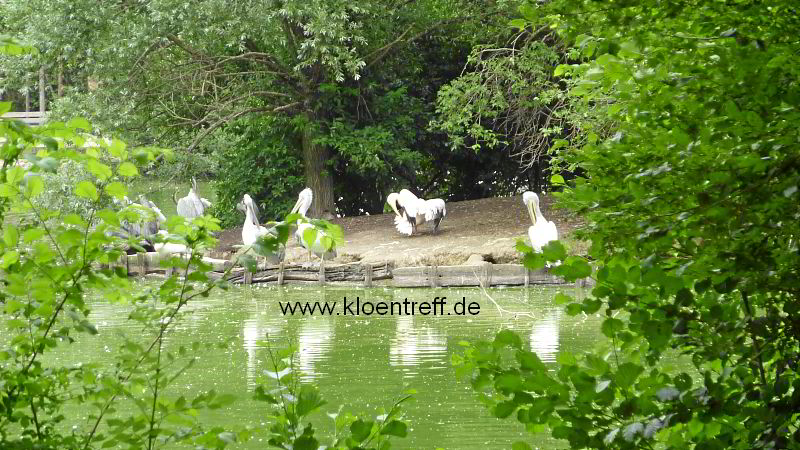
{"x": 60, "y": 79}
{"x": 42, "y": 98}
{"x": 318, "y": 178}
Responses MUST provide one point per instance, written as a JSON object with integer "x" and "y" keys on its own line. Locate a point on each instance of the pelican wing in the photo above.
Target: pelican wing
{"x": 189, "y": 207}
{"x": 205, "y": 202}
{"x": 409, "y": 202}
{"x": 434, "y": 209}
{"x": 403, "y": 226}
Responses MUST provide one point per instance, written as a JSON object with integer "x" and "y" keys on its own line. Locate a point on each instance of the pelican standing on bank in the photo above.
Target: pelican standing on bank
{"x": 317, "y": 247}
{"x": 411, "y": 211}
{"x": 192, "y": 205}
{"x": 252, "y": 229}
{"x": 542, "y": 231}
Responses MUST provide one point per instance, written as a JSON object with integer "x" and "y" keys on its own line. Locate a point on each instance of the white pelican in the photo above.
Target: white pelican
{"x": 149, "y": 221}
{"x": 542, "y": 231}
{"x": 192, "y": 205}
{"x": 165, "y": 248}
{"x": 411, "y": 211}
{"x": 317, "y": 247}
{"x": 303, "y": 202}
{"x": 151, "y": 227}
{"x": 252, "y": 230}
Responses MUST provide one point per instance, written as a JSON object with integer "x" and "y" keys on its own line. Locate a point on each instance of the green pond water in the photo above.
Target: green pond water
{"x": 362, "y": 363}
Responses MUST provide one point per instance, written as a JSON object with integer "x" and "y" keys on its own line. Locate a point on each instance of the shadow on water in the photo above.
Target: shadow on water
{"x": 361, "y": 362}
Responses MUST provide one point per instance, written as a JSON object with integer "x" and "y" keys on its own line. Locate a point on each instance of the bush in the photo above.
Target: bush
{"x": 692, "y": 211}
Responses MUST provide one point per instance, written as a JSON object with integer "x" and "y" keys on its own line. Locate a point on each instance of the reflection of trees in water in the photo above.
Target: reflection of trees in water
{"x": 412, "y": 345}
{"x": 544, "y": 335}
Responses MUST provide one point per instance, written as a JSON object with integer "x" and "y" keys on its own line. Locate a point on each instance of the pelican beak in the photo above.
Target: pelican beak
{"x": 394, "y": 208}
{"x": 530, "y": 212}
{"x": 296, "y": 207}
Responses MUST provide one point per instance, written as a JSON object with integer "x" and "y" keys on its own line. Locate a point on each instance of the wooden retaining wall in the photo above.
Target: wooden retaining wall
{"x": 365, "y": 274}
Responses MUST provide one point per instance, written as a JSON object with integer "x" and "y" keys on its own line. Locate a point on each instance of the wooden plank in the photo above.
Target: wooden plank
{"x": 23, "y": 114}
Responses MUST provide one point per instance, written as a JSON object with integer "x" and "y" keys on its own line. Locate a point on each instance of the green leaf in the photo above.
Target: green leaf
{"x": 98, "y": 169}
{"x": 395, "y": 428}
{"x": 117, "y": 149}
{"x": 562, "y": 299}
{"x": 34, "y": 185}
{"x": 116, "y": 190}
{"x": 79, "y": 123}
{"x": 627, "y": 374}
{"x": 127, "y": 169}
{"x": 504, "y": 409}
{"x": 32, "y": 234}
{"x": 305, "y": 442}
{"x": 555, "y": 251}
{"x": 308, "y": 400}
{"x": 612, "y": 326}
{"x": 15, "y": 175}
{"x": 361, "y": 429}
{"x": 10, "y": 257}
{"x": 10, "y": 235}
{"x": 507, "y": 338}
{"x": 520, "y": 445}
{"x": 86, "y": 189}
{"x": 566, "y": 358}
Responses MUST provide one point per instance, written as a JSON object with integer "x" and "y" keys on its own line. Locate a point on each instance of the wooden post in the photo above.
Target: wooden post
{"x": 140, "y": 258}
{"x": 433, "y": 276}
{"x": 248, "y": 276}
{"x": 42, "y": 98}
{"x": 280, "y": 273}
{"x": 322, "y": 271}
{"x": 527, "y": 277}
{"x": 487, "y": 275}
{"x": 367, "y": 275}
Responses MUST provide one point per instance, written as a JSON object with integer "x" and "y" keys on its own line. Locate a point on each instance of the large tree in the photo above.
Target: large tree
{"x": 200, "y": 65}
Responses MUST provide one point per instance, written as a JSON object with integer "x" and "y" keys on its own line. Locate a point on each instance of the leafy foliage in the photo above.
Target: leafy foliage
{"x": 357, "y": 83}
{"x": 291, "y": 404}
{"x": 50, "y": 267}
{"x": 692, "y": 212}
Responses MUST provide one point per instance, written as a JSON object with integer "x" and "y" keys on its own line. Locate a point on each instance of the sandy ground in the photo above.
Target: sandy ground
{"x": 489, "y": 227}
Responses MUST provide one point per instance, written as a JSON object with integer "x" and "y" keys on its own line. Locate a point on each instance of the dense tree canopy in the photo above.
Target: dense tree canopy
{"x": 692, "y": 209}
{"x": 356, "y": 81}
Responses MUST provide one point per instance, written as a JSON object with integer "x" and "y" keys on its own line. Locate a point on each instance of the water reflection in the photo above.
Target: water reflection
{"x": 413, "y": 346}
{"x": 314, "y": 341}
{"x": 256, "y": 328}
{"x": 544, "y": 335}
{"x": 347, "y": 356}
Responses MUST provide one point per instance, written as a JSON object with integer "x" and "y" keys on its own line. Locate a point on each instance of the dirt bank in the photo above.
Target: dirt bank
{"x": 489, "y": 226}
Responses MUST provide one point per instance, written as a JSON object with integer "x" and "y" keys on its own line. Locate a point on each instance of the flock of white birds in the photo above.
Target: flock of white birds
{"x": 410, "y": 212}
